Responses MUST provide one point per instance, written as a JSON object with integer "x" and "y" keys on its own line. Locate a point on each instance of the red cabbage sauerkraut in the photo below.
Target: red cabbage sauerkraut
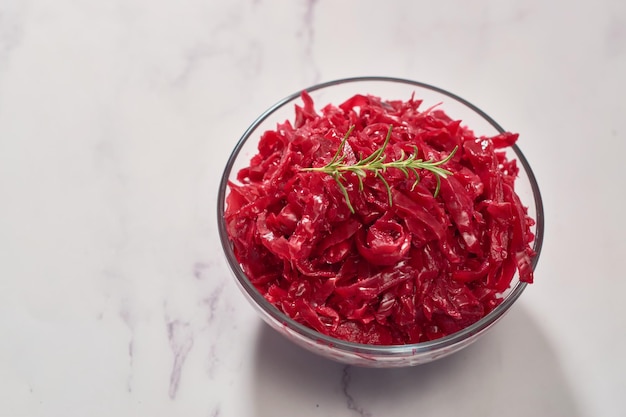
{"x": 411, "y": 269}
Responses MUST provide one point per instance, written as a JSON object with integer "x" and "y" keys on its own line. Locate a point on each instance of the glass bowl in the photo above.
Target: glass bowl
{"x": 335, "y": 92}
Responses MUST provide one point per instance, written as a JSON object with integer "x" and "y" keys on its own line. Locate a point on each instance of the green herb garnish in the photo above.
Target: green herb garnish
{"x": 376, "y": 164}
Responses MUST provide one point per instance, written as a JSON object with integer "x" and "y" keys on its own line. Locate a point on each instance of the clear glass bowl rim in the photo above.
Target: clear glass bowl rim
{"x": 380, "y": 350}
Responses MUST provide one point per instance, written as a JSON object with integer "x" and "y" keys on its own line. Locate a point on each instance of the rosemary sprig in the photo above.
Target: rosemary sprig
{"x": 375, "y": 163}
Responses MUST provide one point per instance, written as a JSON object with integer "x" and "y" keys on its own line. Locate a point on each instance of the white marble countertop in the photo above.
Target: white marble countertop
{"x": 116, "y": 119}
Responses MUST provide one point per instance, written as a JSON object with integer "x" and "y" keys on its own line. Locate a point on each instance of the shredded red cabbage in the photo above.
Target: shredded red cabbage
{"x": 417, "y": 269}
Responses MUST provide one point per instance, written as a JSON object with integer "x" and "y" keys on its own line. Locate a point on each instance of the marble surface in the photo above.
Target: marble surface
{"x": 116, "y": 119}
